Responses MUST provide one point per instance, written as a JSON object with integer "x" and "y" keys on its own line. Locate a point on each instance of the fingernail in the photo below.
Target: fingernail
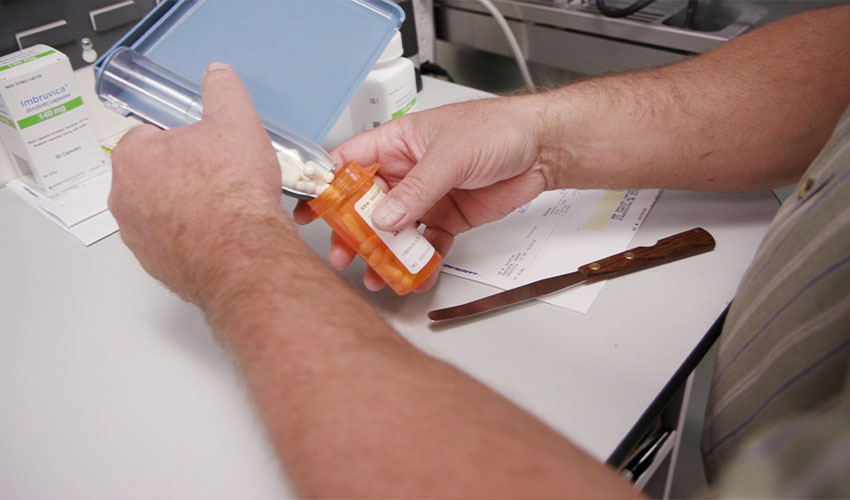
{"x": 213, "y": 66}
{"x": 388, "y": 212}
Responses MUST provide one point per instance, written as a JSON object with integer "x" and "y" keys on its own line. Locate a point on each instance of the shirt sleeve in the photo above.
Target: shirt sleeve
{"x": 804, "y": 456}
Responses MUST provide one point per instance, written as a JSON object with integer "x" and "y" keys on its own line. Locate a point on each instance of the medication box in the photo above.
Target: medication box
{"x": 43, "y": 122}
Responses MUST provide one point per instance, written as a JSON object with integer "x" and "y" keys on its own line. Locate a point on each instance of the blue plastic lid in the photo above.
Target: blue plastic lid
{"x": 301, "y": 60}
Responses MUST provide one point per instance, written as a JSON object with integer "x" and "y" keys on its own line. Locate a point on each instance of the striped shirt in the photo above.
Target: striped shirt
{"x": 778, "y": 416}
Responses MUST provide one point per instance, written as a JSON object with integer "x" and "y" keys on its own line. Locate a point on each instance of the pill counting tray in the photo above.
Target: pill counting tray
{"x": 301, "y": 60}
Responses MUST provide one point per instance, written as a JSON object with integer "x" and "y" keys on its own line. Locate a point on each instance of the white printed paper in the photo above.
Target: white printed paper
{"x": 81, "y": 210}
{"x": 553, "y": 234}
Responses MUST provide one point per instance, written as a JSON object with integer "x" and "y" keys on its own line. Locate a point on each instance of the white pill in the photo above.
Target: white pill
{"x": 318, "y": 173}
{"x": 308, "y": 187}
{"x": 310, "y": 177}
{"x": 290, "y": 171}
{"x": 290, "y": 153}
{"x": 292, "y": 157}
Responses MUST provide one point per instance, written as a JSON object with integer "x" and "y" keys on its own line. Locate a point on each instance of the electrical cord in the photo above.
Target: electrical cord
{"x": 429, "y": 68}
{"x": 625, "y": 11}
{"x": 520, "y": 59}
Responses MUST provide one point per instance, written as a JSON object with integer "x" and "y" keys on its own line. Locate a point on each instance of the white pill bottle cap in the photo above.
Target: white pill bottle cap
{"x": 394, "y": 50}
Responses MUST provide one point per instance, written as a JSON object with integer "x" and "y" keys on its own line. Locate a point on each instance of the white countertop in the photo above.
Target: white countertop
{"x": 114, "y": 388}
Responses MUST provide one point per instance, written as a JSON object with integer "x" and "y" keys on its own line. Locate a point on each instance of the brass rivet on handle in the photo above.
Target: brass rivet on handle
{"x": 595, "y": 266}
{"x": 629, "y": 255}
{"x": 805, "y": 187}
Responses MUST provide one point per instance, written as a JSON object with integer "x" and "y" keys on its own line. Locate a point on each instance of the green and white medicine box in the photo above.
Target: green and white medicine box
{"x": 43, "y": 123}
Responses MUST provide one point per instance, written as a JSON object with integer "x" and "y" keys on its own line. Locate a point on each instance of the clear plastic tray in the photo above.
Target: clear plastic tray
{"x": 301, "y": 60}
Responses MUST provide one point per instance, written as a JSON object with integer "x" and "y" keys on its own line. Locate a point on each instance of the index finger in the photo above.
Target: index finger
{"x": 363, "y": 148}
{"x": 303, "y": 214}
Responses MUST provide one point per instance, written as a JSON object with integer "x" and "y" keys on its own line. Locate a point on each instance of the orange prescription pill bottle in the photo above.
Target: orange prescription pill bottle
{"x": 404, "y": 259}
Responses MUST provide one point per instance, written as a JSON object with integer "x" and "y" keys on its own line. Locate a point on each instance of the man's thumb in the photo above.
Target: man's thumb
{"x": 224, "y": 94}
{"x": 420, "y": 190}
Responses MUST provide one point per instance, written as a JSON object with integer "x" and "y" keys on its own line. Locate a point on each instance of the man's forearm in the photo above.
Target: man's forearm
{"x": 352, "y": 408}
{"x": 355, "y": 410}
{"x": 751, "y": 114}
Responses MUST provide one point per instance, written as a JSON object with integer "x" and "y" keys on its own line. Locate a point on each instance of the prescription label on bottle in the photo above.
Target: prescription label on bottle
{"x": 411, "y": 248}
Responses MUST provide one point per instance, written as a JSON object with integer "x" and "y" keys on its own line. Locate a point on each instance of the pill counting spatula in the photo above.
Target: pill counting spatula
{"x": 685, "y": 244}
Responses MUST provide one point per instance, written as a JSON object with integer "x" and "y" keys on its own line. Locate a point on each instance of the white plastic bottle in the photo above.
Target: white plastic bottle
{"x": 388, "y": 91}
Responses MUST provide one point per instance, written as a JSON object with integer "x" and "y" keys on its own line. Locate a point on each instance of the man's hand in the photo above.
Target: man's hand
{"x": 452, "y": 168}
{"x": 190, "y": 201}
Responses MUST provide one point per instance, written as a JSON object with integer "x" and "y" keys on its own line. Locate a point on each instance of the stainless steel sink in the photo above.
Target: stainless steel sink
{"x": 662, "y": 23}
{"x": 574, "y": 35}
{"x": 716, "y": 17}
{"x": 722, "y": 18}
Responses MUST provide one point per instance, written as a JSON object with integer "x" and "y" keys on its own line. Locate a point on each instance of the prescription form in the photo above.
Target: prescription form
{"x": 553, "y": 234}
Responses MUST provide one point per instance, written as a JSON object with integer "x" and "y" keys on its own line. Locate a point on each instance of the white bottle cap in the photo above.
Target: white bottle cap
{"x": 394, "y": 50}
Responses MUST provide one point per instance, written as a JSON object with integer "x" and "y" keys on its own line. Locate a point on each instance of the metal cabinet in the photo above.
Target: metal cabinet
{"x": 81, "y": 29}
